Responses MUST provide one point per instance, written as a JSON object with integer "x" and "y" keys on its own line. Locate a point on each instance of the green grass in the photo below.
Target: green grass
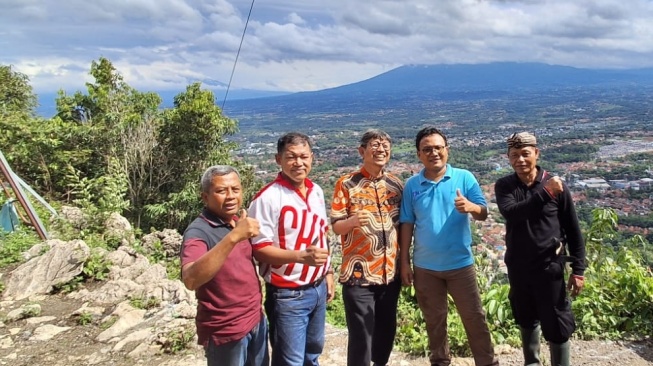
{"x": 12, "y": 245}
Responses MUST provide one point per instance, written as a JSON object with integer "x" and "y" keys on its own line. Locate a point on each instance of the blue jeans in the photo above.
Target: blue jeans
{"x": 252, "y": 350}
{"x": 297, "y": 320}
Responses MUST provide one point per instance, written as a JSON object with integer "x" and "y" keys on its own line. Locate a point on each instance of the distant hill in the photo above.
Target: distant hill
{"x": 447, "y": 82}
{"x": 47, "y": 105}
{"x": 495, "y": 77}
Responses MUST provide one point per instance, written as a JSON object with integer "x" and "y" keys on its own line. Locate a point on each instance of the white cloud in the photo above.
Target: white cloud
{"x": 311, "y": 44}
{"x": 295, "y": 18}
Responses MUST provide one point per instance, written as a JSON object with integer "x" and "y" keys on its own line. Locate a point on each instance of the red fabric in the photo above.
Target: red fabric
{"x": 229, "y": 305}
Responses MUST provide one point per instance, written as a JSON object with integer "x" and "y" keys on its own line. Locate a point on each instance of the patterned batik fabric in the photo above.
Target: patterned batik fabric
{"x": 369, "y": 253}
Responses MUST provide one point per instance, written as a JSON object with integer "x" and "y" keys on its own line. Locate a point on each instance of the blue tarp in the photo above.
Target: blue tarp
{"x": 8, "y": 216}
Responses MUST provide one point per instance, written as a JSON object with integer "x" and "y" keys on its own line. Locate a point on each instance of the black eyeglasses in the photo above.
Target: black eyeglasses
{"x": 377, "y": 146}
{"x": 433, "y": 149}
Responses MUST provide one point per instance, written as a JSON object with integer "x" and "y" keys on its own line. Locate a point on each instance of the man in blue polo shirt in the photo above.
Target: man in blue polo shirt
{"x": 435, "y": 209}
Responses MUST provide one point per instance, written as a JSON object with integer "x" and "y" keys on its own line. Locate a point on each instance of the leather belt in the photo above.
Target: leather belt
{"x": 307, "y": 286}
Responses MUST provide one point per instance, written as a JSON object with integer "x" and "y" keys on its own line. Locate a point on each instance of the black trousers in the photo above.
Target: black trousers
{"x": 371, "y": 313}
{"x": 539, "y": 295}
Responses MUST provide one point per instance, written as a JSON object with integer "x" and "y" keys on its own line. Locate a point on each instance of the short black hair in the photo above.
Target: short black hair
{"x": 293, "y": 138}
{"x": 374, "y": 133}
{"x": 428, "y": 131}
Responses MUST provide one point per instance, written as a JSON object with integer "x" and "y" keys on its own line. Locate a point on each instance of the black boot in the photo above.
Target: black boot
{"x": 530, "y": 341}
{"x": 559, "y": 353}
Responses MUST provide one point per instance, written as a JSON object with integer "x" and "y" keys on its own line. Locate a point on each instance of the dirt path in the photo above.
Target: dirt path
{"x": 78, "y": 345}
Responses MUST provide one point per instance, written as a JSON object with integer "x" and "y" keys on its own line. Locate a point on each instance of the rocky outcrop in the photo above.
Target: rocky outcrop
{"x": 168, "y": 241}
{"x": 133, "y": 276}
{"x": 117, "y": 228}
{"x": 137, "y": 312}
{"x": 74, "y": 216}
{"x": 58, "y": 265}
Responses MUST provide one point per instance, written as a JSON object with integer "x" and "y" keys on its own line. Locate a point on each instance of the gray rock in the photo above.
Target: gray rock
{"x": 47, "y": 332}
{"x": 59, "y": 265}
{"x": 40, "y": 319}
{"x": 75, "y": 216}
{"x": 137, "y": 336}
{"x": 118, "y": 228}
{"x": 168, "y": 241}
{"x": 128, "y": 317}
{"x": 6, "y": 342}
{"x": 25, "y": 311}
{"x": 111, "y": 292}
{"x": 36, "y": 250}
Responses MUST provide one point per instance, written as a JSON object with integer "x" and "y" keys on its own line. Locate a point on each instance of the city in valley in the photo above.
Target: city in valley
{"x": 602, "y": 146}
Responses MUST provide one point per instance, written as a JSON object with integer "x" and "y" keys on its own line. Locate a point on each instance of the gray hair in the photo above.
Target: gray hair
{"x": 374, "y": 133}
{"x": 215, "y": 171}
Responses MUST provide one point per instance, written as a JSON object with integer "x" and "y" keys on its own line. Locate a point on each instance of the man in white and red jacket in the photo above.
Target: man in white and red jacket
{"x": 293, "y": 250}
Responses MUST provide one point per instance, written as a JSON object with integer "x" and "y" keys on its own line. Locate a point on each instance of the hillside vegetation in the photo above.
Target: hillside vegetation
{"x": 111, "y": 149}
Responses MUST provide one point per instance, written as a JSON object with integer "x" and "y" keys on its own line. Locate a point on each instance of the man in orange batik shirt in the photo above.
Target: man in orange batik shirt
{"x": 365, "y": 212}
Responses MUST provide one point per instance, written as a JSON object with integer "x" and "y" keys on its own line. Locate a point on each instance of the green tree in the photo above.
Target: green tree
{"x": 109, "y": 107}
{"x": 31, "y": 145}
{"x": 115, "y": 123}
{"x": 112, "y": 145}
{"x": 16, "y": 95}
{"x": 192, "y": 138}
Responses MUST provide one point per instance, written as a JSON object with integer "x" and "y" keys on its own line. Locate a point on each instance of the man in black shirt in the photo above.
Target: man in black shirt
{"x": 541, "y": 224}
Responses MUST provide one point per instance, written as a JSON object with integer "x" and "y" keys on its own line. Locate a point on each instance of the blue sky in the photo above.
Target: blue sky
{"x": 298, "y": 45}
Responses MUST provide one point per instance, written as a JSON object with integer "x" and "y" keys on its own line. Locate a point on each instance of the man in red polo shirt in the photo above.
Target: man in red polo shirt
{"x": 216, "y": 260}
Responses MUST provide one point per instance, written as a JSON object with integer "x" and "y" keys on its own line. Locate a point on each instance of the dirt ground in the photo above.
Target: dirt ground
{"x": 78, "y": 346}
{"x": 584, "y": 353}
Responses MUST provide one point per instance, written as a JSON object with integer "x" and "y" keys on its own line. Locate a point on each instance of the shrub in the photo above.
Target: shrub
{"x": 12, "y": 245}
{"x": 85, "y": 318}
{"x": 173, "y": 269}
{"x": 177, "y": 340}
{"x": 96, "y": 267}
{"x": 145, "y": 303}
{"x": 336, "y": 310}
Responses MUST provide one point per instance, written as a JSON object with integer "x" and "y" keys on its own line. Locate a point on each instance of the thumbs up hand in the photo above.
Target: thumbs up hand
{"x": 314, "y": 256}
{"x": 554, "y": 186}
{"x": 246, "y": 227}
{"x": 360, "y": 218}
{"x": 462, "y": 204}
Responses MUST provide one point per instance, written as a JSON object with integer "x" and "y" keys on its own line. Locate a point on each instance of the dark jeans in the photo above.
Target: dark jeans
{"x": 538, "y": 296}
{"x": 371, "y": 313}
{"x": 251, "y": 350}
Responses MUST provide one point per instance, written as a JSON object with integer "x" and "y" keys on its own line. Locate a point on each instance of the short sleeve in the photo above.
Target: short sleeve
{"x": 474, "y": 191}
{"x": 263, "y": 210}
{"x": 192, "y": 250}
{"x": 340, "y": 202}
{"x": 406, "y": 213}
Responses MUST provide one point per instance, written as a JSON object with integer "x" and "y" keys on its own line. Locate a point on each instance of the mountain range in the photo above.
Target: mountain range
{"x": 414, "y": 92}
{"x": 408, "y": 83}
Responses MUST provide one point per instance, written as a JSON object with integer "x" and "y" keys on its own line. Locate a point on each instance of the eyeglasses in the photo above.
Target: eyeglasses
{"x": 433, "y": 149}
{"x": 377, "y": 146}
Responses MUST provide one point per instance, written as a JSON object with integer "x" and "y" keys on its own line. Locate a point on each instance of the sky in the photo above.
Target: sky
{"x": 302, "y": 45}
